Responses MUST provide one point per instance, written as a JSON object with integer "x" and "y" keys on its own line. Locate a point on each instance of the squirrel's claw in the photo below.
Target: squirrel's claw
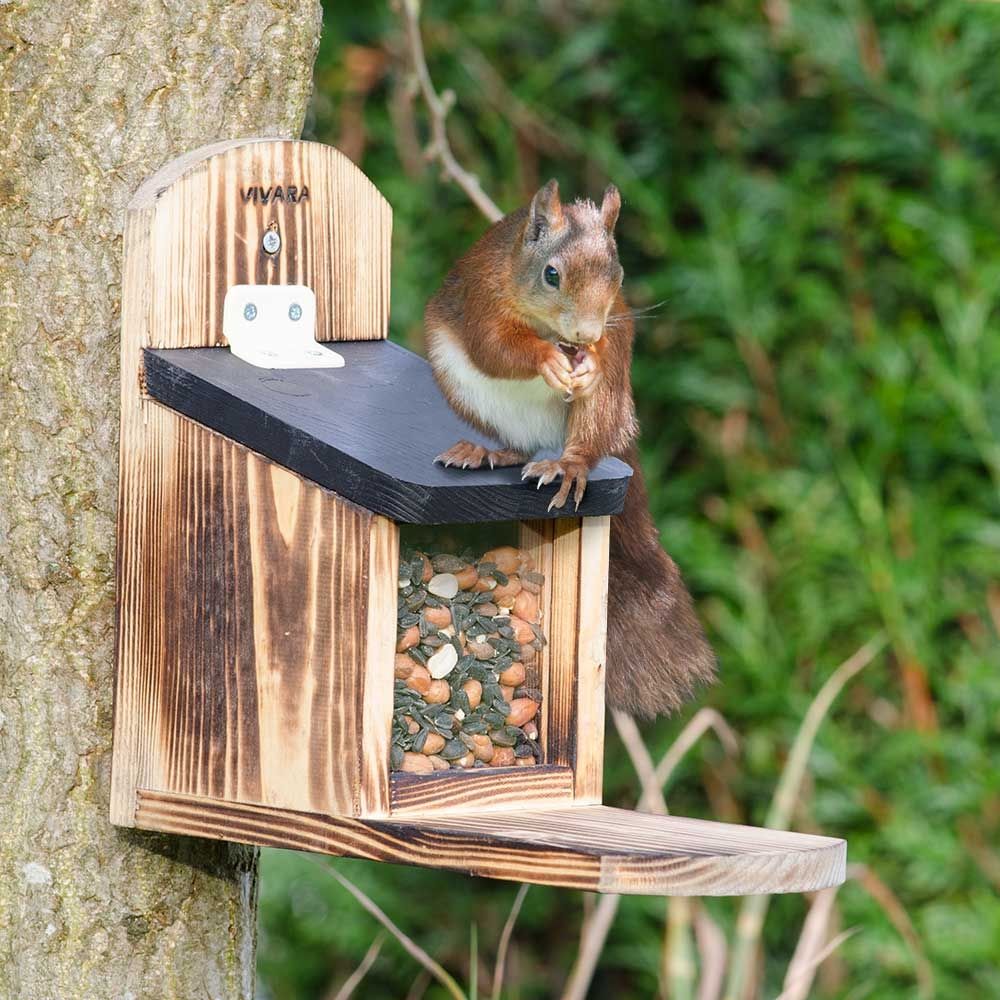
{"x": 574, "y": 480}
{"x": 475, "y": 456}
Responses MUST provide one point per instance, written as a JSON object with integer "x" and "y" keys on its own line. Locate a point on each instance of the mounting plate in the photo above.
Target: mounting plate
{"x": 274, "y": 326}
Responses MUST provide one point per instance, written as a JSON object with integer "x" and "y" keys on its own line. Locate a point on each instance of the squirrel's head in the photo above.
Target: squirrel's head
{"x": 567, "y": 271}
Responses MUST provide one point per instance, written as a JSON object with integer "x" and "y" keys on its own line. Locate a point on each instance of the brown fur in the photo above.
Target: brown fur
{"x": 508, "y": 325}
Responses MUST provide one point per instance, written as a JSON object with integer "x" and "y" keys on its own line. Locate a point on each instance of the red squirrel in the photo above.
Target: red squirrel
{"x": 530, "y": 341}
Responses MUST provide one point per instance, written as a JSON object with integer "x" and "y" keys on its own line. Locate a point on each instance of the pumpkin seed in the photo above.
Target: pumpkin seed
{"x": 452, "y": 750}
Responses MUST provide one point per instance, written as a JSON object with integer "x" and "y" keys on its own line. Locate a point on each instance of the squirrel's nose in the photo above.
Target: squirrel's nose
{"x": 589, "y": 331}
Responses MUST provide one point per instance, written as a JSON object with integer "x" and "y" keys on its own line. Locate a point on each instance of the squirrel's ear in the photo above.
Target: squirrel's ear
{"x": 610, "y": 206}
{"x": 545, "y": 212}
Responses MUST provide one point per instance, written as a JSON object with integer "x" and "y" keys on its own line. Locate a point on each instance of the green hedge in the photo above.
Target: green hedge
{"x": 811, "y": 196}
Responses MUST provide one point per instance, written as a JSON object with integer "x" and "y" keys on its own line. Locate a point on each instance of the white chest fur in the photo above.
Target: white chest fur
{"x": 526, "y": 413}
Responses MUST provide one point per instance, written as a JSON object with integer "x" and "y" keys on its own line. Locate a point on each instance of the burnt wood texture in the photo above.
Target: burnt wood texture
{"x": 587, "y": 847}
{"x": 244, "y": 589}
{"x": 368, "y": 431}
{"x": 258, "y": 554}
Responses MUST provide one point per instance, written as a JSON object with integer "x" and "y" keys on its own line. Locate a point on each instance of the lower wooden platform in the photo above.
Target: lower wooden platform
{"x": 585, "y": 847}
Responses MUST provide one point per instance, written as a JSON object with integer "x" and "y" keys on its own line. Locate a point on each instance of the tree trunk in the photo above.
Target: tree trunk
{"x": 93, "y": 98}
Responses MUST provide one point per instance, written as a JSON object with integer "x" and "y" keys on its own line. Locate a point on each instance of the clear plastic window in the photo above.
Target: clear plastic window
{"x": 468, "y": 684}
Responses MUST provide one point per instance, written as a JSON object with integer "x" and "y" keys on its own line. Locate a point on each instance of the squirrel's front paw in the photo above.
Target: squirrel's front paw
{"x": 574, "y": 477}
{"x": 474, "y": 456}
{"x": 586, "y": 376}
{"x": 557, "y": 371}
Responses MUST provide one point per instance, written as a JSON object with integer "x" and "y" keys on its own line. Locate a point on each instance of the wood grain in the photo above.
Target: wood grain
{"x": 379, "y": 584}
{"x": 485, "y": 789}
{"x": 595, "y": 533}
{"x": 242, "y": 628}
{"x": 586, "y": 847}
{"x": 562, "y": 633}
{"x": 368, "y": 431}
{"x": 205, "y": 237}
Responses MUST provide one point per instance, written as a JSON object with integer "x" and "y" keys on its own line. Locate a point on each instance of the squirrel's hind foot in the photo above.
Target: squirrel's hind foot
{"x": 467, "y": 455}
{"x": 574, "y": 477}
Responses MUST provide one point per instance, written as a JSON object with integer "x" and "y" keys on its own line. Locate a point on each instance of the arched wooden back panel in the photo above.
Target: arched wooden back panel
{"x": 196, "y": 228}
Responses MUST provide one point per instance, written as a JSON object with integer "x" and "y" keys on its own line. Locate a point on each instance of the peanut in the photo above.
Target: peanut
{"x": 483, "y": 749}
{"x": 523, "y": 632}
{"x": 438, "y": 617}
{"x": 521, "y": 710}
{"x": 514, "y": 675}
{"x": 408, "y": 639}
{"x": 416, "y": 763}
{"x": 438, "y": 692}
{"x": 506, "y": 593}
{"x": 526, "y": 606}
{"x": 507, "y": 559}
{"x": 474, "y": 692}
{"x": 419, "y": 679}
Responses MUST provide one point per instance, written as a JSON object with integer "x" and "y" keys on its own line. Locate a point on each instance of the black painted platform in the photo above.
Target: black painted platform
{"x": 368, "y": 431}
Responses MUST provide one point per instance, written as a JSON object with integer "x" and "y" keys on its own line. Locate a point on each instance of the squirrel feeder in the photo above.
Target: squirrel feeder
{"x": 258, "y": 554}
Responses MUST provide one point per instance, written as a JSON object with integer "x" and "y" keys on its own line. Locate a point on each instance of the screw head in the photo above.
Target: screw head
{"x": 249, "y": 312}
{"x": 271, "y": 241}
{"x": 295, "y": 312}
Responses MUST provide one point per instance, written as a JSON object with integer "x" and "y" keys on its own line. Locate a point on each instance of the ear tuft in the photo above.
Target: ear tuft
{"x": 545, "y": 212}
{"x": 610, "y": 206}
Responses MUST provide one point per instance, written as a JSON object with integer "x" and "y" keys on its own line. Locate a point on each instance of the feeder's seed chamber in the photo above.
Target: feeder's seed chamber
{"x": 326, "y": 641}
{"x": 468, "y": 675}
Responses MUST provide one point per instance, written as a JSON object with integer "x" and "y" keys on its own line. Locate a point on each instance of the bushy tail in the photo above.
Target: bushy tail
{"x": 657, "y": 651}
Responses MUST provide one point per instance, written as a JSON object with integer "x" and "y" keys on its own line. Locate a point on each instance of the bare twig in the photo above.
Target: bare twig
{"x": 436, "y": 970}
{"x": 353, "y": 981}
{"x": 821, "y": 956}
{"x": 753, "y": 910}
{"x": 652, "y": 799}
{"x": 787, "y": 791}
{"x": 703, "y": 720}
{"x": 809, "y": 948}
{"x": 678, "y": 948}
{"x": 592, "y": 938}
{"x": 679, "y": 970}
{"x": 596, "y": 929}
{"x": 899, "y": 919}
{"x": 419, "y": 985}
{"x": 505, "y": 936}
{"x": 438, "y": 107}
{"x": 712, "y": 954}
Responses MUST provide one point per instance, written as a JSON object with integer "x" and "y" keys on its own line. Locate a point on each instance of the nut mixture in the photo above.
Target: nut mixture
{"x": 468, "y": 636}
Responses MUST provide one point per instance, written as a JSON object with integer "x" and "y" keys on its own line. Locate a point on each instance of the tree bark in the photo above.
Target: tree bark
{"x": 93, "y": 98}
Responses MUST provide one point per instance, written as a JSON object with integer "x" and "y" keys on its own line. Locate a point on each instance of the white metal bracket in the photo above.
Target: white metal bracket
{"x": 274, "y": 326}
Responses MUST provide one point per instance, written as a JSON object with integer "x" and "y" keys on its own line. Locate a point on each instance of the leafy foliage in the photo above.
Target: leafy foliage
{"x": 811, "y": 192}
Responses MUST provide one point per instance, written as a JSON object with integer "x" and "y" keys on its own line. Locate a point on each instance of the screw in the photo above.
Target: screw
{"x": 249, "y": 312}
{"x": 295, "y": 312}
{"x": 271, "y": 241}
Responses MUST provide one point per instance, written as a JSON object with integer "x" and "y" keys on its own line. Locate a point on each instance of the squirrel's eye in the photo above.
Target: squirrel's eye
{"x": 551, "y": 276}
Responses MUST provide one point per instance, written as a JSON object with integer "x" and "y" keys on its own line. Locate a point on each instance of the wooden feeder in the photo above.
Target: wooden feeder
{"x": 258, "y": 553}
